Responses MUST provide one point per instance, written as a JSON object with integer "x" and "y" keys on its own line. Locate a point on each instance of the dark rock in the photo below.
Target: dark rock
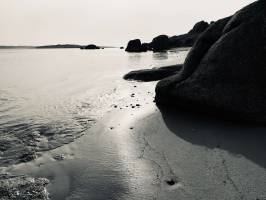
{"x": 225, "y": 70}
{"x": 199, "y": 27}
{"x": 147, "y": 46}
{"x": 135, "y": 46}
{"x": 121, "y": 47}
{"x": 161, "y": 43}
{"x": 91, "y": 46}
{"x": 153, "y": 74}
{"x": 188, "y": 40}
{"x": 171, "y": 182}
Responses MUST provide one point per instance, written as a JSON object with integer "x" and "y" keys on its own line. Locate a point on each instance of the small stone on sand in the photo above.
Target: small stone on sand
{"x": 170, "y": 182}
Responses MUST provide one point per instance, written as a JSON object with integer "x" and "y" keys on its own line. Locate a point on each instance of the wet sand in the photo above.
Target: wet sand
{"x": 139, "y": 152}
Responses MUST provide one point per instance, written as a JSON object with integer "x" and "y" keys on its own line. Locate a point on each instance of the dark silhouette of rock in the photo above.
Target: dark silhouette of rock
{"x": 153, "y": 74}
{"x": 147, "y": 46}
{"x": 161, "y": 43}
{"x": 225, "y": 70}
{"x": 135, "y": 46}
{"x": 164, "y": 42}
{"x": 199, "y": 27}
{"x": 91, "y": 46}
{"x": 121, "y": 47}
{"x": 189, "y": 39}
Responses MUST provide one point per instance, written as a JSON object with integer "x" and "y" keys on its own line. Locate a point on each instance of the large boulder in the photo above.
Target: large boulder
{"x": 136, "y": 46}
{"x": 161, "y": 43}
{"x": 225, "y": 70}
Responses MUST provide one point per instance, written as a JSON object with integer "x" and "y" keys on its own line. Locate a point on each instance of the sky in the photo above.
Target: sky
{"x": 104, "y": 22}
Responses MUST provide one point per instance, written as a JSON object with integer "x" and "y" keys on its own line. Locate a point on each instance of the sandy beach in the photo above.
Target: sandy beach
{"x": 140, "y": 152}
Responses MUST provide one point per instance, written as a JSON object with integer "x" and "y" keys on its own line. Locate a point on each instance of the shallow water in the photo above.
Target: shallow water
{"x": 49, "y": 98}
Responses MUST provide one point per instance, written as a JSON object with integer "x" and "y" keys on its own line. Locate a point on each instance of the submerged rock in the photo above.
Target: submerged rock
{"x": 154, "y": 74}
{"x": 225, "y": 70}
{"x": 136, "y": 46}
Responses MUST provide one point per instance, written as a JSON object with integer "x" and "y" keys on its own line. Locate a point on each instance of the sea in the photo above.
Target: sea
{"x": 50, "y": 97}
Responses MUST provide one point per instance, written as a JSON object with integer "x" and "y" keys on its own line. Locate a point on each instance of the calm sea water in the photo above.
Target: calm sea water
{"x": 50, "y": 97}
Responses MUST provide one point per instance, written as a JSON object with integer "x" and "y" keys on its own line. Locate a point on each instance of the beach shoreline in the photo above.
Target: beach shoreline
{"x": 144, "y": 153}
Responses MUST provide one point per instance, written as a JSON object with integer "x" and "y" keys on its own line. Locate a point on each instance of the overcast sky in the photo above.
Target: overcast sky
{"x": 104, "y": 22}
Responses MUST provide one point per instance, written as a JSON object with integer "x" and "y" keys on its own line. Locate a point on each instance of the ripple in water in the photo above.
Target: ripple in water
{"x": 23, "y": 138}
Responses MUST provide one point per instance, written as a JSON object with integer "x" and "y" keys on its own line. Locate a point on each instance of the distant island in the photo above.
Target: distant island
{"x": 17, "y": 47}
{"x": 59, "y": 46}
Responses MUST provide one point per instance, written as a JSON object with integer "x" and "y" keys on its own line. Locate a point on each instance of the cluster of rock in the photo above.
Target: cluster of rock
{"x": 225, "y": 70}
{"x": 164, "y": 42}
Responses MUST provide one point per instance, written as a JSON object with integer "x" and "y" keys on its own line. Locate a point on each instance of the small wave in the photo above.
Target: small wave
{"x": 22, "y": 141}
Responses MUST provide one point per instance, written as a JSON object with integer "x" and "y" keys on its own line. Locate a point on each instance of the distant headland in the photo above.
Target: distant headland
{"x": 59, "y": 46}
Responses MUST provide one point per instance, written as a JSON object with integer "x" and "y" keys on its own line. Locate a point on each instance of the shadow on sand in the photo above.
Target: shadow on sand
{"x": 248, "y": 140}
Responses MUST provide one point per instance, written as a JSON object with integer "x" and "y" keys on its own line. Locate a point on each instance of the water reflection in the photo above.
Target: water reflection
{"x": 160, "y": 55}
{"x": 134, "y": 58}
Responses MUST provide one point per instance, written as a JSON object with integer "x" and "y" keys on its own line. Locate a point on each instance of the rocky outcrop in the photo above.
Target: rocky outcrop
{"x": 164, "y": 42}
{"x": 225, "y": 70}
{"x": 136, "y": 46}
{"x": 154, "y": 74}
